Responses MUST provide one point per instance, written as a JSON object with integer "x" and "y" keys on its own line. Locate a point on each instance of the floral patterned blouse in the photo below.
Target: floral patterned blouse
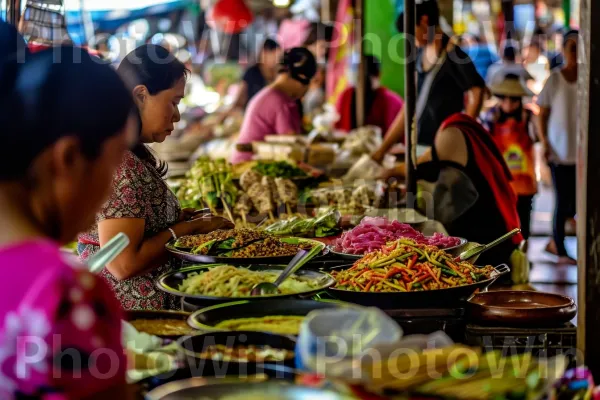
{"x": 138, "y": 192}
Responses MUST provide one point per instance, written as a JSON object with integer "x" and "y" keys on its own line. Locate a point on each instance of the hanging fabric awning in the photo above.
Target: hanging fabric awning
{"x": 110, "y": 14}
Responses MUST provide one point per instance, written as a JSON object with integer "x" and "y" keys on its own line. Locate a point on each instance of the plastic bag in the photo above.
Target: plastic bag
{"x": 327, "y": 119}
{"x": 334, "y": 343}
{"x": 323, "y": 124}
{"x": 367, "y": 168}
{"x": 366, "y": 139}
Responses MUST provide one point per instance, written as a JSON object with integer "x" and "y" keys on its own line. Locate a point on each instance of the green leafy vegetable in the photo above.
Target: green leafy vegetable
{"x": 324, "y": 225}
{"x": 278, "y": 169}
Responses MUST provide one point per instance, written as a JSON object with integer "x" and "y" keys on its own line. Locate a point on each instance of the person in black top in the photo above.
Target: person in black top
{"x": 446, "y": 76}
{"x": 257, "y": 76}
{"x": 472, "y": 196}
{"x": 262, "y": 73}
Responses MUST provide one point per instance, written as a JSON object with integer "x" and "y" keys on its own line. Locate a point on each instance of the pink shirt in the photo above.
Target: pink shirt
{"x": 50, "y": 306}
{"x": 270, "y": 112}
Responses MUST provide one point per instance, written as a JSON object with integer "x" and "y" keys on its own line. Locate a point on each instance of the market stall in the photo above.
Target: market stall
{"x": 401, "y": 274}
{"x": 350, "y": 256}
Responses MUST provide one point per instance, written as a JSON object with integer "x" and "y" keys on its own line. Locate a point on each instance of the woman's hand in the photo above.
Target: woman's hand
{"x": 190, "y": 213}
{"x": 396, "y": 172}
{"x": 201, "y": 225}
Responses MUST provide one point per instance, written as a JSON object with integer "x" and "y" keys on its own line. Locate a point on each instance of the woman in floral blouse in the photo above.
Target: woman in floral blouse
{"x": 141, "y": 205}
{"x": 60, "y": 328}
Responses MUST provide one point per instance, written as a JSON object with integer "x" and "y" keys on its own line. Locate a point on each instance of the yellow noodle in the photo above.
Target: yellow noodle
{"x": 229, "y": 281}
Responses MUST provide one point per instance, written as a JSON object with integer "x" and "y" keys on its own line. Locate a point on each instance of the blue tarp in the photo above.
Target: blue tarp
{"x": 109, "y": 20}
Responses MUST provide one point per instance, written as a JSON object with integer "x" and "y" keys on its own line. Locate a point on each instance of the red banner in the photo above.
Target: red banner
{"x": 340, "y": 52}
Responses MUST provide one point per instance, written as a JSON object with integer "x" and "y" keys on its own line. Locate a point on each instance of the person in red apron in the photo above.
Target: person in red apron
{"x": 512, "y": 127}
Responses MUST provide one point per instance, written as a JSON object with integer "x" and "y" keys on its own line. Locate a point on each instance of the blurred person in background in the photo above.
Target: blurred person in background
{"x": 275, "y": 110}
{"x": 481, "y": 54}
{"x": 382, "y": 105}
{"x": 257, "y": 76}
{"x": 445, "y": 77}
{"x": 512, "y": 127}
{"x": 471, "y": 182}
{"x": 60, "y": 147}
{"x": 558, "y": 133}
{"x": 317, "y": 42}
{"x": 141, "y": 204}
{"x": 555, "y": 56}
{"x": 536, "y": 62}
{"x": 509, "y": 64}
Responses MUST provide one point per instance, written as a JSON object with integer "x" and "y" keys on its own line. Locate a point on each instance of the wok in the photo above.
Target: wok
{"x": 206, "y": 318}
{"x": 521, "y": 308}
{"x": 199, "y": 388}
{"x": 132, "y": 315}
{"x": 454, "y": 250}
{"x": 170, "y": 282}
{"x": 211, "y": 259}
{"x": 191, "y": 347}
{"x": 441, "y": 298}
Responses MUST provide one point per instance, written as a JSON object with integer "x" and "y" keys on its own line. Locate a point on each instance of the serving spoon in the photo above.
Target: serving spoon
{"x": 301, "y": 258}
{"x": 477, "y": 250}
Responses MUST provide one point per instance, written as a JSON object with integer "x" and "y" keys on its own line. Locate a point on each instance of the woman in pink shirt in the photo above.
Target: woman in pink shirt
{"x": 66, "y": 126}
{"x": 382, "y": 105}
{"x": 274, "y": 110}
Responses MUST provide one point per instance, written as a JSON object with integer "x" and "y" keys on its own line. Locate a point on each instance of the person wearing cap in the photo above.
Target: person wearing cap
{"x": 274, "y": 110}
{"x": 557, "y": 130}
{"x": 513, "y": 129}
{"x": 445, "y": 77}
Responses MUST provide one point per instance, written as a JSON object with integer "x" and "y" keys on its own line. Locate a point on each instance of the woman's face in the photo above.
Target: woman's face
{"x": 271, "y": 58}
{"x": 159, "y": 112}
{"x": 73, "y": 187}
{"x": 510, "y": 104}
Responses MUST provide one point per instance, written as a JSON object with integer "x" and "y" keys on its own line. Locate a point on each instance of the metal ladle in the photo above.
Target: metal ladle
{"x": 477, "y": 250}
{"x": 301, "y": 258}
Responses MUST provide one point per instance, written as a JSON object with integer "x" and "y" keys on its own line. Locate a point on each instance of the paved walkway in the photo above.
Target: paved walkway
{"x": 546, "y": 275}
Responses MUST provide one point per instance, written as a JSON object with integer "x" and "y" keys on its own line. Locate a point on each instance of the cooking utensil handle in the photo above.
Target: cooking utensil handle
{"x": 108, "y": 252}
{"x": 500, "y": 270}
{"x": 502, "y": 238}
{"x": 311, "y": 254}
{"x": 290, "y": 268}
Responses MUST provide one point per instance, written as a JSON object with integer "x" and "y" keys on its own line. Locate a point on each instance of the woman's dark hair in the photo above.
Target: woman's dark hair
{"x": 13, "y": 52}
{"x": 74, "y": 95}
{"x": 373, "y": 71}
{"x": 318, "y": 31}
{"x": 270, "y": 45}
{"x": 158, "y": 70}
{"x": 300, "y": 63}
